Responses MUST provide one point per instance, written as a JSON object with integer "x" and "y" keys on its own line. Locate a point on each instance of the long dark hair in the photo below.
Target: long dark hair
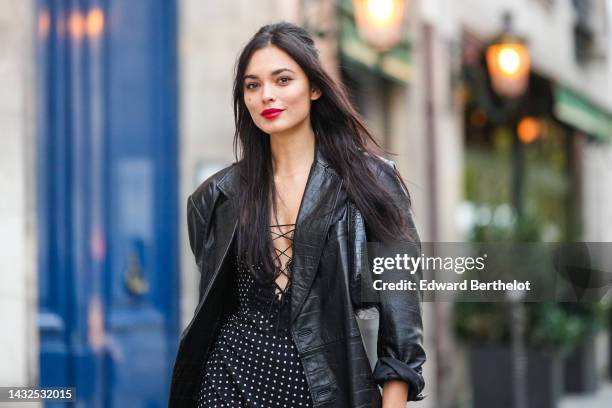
{"x": 341, "y": 137}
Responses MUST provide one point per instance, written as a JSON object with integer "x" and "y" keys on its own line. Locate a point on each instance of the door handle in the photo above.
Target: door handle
{"x": 135, "y": 280}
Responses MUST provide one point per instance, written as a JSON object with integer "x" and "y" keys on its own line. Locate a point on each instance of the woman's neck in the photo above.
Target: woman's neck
{"x": 292, "y": 153}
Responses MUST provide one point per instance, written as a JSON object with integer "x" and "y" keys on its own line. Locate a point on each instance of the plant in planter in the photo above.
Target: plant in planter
{"x": 581, "y": 376}
{"x": 485, "y": 328}
{"x": 580, "y": 362}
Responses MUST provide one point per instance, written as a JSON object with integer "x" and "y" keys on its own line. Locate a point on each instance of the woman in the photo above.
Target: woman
{"x": 279, "y": 239}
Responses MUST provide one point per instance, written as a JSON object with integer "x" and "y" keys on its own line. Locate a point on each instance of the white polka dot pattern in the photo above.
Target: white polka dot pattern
{"x": 254, "y": 362}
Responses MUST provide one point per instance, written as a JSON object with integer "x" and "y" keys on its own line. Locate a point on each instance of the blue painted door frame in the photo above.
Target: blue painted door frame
{"x": 107, "y": 199}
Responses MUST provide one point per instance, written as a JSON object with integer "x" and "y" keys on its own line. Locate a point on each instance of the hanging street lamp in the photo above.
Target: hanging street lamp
{"x": 508, "y": 63}
{"x": 380, "y": 22}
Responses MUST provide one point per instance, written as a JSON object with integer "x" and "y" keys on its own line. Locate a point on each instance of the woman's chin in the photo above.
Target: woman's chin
{"x": 275, "y": 129}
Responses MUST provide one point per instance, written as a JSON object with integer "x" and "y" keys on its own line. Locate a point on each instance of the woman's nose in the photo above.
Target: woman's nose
{"x": 268, "y": 92}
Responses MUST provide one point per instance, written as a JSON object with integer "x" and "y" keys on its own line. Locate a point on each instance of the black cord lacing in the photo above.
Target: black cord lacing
{"x": 280, "y": 269}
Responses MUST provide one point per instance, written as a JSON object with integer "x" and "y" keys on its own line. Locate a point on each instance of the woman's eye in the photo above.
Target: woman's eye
{"x": 251, "y": 85}
{"x": 284, "y": 80}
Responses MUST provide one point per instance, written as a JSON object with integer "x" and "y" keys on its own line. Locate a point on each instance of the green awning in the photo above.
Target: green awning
{"x": 575, "y": 110}
{"x": 394, "y": 64}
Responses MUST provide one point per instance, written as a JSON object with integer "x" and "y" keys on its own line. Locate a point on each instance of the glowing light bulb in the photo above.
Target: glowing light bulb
{"x": 380, "y": 10}
{"x": 509, "y": 61}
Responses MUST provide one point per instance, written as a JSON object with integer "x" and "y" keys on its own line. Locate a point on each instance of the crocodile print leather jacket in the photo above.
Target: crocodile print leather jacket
{"x": 329, "y": 267}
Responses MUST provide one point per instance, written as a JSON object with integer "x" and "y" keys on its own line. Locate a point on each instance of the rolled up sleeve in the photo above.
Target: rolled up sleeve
{"x": 400, "y": 333}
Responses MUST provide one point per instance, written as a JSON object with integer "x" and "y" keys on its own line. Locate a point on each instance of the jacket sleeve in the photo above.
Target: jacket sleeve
{"x": 400, "y": 332}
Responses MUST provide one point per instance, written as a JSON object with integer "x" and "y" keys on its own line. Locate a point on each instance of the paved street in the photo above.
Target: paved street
{"x": 602, "y": 399}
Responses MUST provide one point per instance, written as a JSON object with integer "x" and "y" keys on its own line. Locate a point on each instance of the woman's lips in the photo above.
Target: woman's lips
{"x": 271, "y": 113}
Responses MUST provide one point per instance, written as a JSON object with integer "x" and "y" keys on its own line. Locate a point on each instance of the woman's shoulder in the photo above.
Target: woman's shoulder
{"x": 379, "y": 163}
{"x": 206, "y": 192}
{"x": 215, "y": 178}
{"x": 388, "y": 175}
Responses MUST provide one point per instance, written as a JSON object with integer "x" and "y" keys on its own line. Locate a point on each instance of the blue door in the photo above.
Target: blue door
{"x": 107, "y": 199}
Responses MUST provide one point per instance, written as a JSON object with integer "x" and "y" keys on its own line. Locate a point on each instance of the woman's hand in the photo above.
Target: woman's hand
{"x": 395, "y": 394}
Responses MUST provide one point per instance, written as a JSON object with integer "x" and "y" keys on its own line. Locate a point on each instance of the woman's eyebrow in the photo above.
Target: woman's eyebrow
{"x": 275, "y": 72}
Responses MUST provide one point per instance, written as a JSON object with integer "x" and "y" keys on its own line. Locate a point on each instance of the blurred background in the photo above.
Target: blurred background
{"x": 112, "y": 112}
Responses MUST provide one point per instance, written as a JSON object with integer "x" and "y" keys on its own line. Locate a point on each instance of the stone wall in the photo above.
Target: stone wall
{"x": 18, "y": 286}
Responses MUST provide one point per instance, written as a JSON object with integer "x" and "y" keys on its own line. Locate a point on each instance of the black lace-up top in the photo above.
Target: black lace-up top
{"x": 254, "y": 362}
{"x": 282, "y": 261}
{"x": 281, "y": 254}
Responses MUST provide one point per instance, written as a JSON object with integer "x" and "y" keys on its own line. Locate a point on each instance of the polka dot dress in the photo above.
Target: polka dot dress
{"x": 254, "y": 362}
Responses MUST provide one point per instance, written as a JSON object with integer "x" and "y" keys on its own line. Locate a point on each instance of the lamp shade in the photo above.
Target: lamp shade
{"x": 379, "y": 22}
{"x": 508, "y": 63}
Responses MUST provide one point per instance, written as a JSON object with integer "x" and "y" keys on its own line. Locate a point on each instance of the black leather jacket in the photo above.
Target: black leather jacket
{"x": 329, "y": 262}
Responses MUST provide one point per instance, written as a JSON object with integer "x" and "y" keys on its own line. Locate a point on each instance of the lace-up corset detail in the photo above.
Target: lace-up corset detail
{"x": 282, "y": 259}
{"x": 270, "y": 298}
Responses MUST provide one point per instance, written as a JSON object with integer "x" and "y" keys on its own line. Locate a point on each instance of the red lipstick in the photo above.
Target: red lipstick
{"x": 271, "y": 113}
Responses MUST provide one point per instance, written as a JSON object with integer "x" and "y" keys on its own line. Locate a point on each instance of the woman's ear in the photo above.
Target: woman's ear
{"x": 315, "y": 94}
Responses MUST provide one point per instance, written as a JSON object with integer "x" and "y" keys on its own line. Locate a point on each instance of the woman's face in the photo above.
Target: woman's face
{"x": 277, "y": 92}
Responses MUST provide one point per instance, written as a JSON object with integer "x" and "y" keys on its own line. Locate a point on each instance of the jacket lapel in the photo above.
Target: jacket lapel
{"x": 227, "y": 219}
{"x": 313, "y": 222}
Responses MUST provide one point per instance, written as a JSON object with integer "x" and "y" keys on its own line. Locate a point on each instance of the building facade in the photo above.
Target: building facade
{"x": 113, "y": 112}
